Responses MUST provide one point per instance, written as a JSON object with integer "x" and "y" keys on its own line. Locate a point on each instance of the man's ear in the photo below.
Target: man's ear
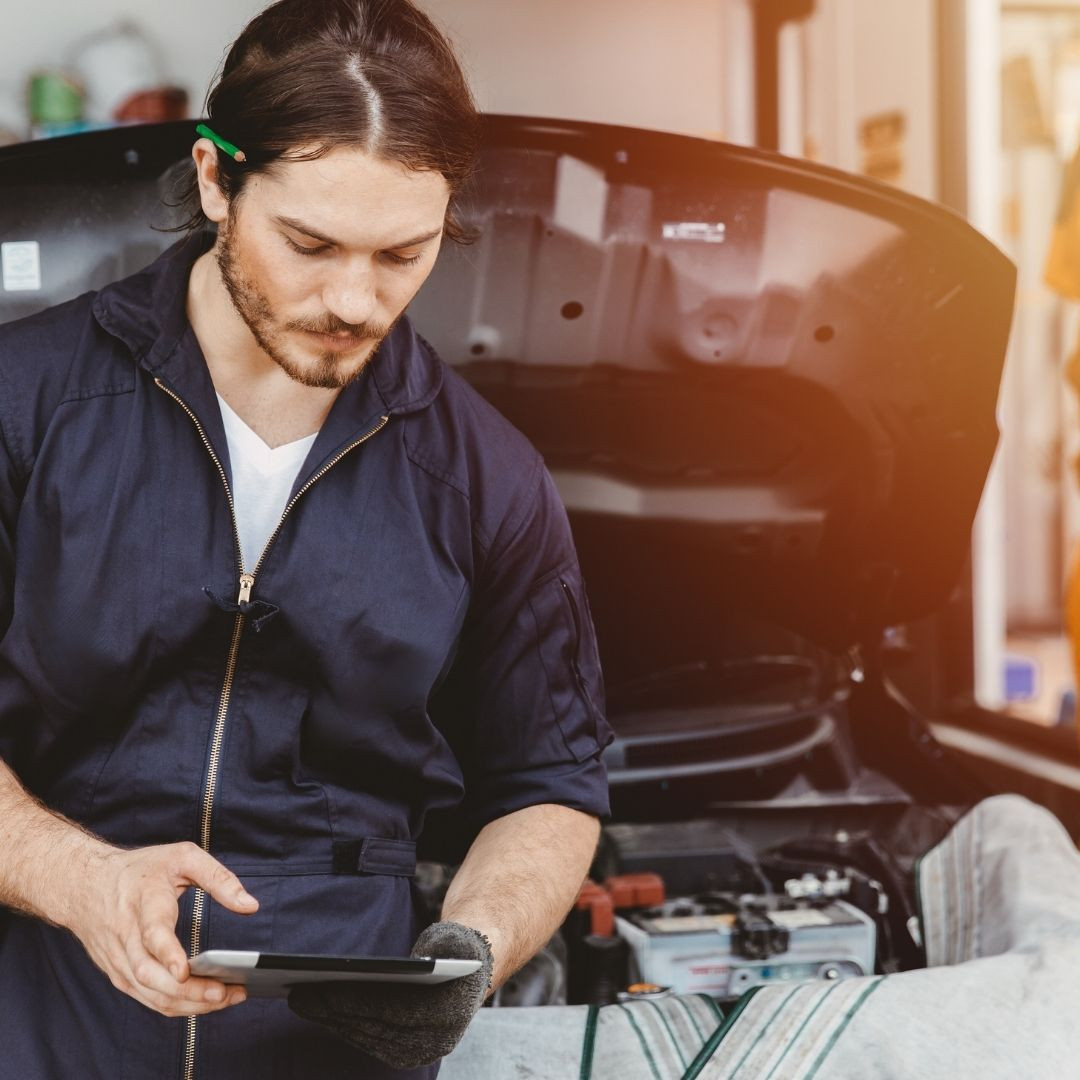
{"x": 214, "y": 204}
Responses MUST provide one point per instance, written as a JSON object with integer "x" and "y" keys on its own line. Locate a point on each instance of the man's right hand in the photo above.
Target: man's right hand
{"x": 124, "y": 911}
{"x": 122, "y": 905}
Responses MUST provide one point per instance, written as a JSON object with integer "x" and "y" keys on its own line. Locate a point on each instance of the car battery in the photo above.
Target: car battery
{"x": 724, "y": 945}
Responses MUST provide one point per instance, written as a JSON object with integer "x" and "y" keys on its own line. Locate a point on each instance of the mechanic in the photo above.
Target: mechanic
{"x": 275, "y": 587}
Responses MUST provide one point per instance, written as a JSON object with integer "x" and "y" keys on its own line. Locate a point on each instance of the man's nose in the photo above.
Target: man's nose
{"x": 351, "y": 294}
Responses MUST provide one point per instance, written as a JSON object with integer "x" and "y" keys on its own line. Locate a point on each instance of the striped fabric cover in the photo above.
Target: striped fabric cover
{"x": 654, "y": 1039}
{"x": 1000, "y": 902}
{"x": 650, "y": 1040}
{"x": 787, "y": 1033}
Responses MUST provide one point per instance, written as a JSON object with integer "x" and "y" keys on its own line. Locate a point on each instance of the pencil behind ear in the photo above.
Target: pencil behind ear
{"x": 222, "y": 144}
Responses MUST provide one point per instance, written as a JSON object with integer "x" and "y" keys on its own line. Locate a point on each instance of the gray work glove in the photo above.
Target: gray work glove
{"x": 402, "y": 1024}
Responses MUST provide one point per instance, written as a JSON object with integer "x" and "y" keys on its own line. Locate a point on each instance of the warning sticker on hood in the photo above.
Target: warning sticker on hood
{"x": 21, "y": 265}
{"x": 704, "y": 232}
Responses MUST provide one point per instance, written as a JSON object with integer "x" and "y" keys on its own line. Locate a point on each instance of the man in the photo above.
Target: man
{"x": 274, "y": 586}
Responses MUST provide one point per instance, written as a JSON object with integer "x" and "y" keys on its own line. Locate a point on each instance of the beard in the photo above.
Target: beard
{"x": 328, "y": 370}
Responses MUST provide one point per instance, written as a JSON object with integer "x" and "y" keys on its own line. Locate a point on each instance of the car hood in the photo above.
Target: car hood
{"x": 764, "y": 388}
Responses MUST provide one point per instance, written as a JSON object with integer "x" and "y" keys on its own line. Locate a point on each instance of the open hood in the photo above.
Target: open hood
{"x": 765, "y": 389}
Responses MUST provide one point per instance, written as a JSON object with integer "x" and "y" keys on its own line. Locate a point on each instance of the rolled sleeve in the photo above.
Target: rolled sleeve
{"x": 526, "y": 689}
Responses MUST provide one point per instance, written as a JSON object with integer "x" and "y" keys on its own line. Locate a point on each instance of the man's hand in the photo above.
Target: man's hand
{"x": 122, "y": 905}
{"x": 125, "y": 916}
{"x": 405, "y": 1025}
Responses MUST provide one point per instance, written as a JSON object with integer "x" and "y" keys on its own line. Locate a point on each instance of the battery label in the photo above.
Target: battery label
{"x": 791, "y": 920}
{"x": 686, "y": 924}
{"x": 21, "y": 265}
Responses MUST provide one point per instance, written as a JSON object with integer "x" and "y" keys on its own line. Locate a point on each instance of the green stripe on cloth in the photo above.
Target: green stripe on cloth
{"x": 802, "y": 1027}
{"x": 843, "y": 1024}
{"x": 718, "y": 1036}
{"x": 711, "y": 1002}
{"x": 588, "y": 1050}
{"x": 692, "y": 1018}
{"x": 671, "y": 1032}
{"x": 644, "y": 1042}
{"x": 764, "y": 1027}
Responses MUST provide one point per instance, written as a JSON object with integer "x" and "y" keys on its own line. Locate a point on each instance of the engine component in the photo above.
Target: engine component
{"x": 810, "y": 886}
{"x": 542, "y": 981}
{"x": 598, "y": 970}
{"x": 635, "y": 890}
{"x": 689, "y": 856}
{"x": 596, "y": 900}
{"x": 755, "y": 936}
{"x": 724, "y": 944}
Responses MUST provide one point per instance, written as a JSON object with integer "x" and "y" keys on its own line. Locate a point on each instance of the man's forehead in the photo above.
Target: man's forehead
{"x": 350, "y": 196}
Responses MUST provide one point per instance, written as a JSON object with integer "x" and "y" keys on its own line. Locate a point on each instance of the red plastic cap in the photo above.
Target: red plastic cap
{"x": 597, "y": 901}
{"x": 635, "y": 890}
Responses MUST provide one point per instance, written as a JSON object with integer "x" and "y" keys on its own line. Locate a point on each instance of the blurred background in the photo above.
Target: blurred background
{"x": 972, "y": 103}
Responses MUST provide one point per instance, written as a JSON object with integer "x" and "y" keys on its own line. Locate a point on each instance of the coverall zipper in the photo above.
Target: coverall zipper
{"x": 246, "y": 584}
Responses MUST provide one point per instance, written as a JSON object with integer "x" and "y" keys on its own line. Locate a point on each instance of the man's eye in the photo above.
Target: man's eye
{"x": 402, "y": 260}
{"x": 301, "y": 250}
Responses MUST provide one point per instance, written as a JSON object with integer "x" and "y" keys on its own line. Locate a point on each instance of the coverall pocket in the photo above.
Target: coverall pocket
{"x": 571, "y": 661}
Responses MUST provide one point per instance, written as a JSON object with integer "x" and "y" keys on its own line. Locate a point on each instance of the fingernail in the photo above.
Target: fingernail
{"x": 177, "y": 972}
{"x": 215, "y": 994}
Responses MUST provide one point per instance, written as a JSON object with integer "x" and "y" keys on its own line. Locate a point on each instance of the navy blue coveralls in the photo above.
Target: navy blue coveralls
{"x": 416, "y": 636}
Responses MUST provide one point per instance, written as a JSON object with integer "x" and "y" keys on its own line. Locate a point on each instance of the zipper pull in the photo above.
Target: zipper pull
{"x": 247, "y": 583}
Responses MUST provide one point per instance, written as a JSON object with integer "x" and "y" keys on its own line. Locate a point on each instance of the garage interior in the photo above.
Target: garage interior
{"x": 817, "y": 658}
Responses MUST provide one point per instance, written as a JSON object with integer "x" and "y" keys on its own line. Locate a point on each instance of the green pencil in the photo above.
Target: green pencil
{"x": 233, "y": 152}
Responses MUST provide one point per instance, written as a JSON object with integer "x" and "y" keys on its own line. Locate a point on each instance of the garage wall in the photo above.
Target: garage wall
{"x": 614, "y": 61}
{"x": 192, "y": 35}
{"x": 873, "y": 61}
{"x": 619, "y": 61}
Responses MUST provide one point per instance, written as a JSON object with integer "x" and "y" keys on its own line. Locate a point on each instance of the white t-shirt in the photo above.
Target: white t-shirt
{"x": 262, "y": 479}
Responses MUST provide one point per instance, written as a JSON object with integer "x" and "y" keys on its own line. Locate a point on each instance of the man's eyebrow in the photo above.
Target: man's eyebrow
{"x": 307, "y": 230}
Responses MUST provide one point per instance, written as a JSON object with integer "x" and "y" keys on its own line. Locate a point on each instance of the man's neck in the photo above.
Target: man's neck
{"x": 277, "y": 408}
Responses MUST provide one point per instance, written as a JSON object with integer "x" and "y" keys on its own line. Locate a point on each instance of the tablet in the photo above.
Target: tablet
{"x": 274, "y": 974}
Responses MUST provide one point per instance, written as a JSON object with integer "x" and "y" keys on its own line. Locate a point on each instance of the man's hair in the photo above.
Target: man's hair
{"x": 320, "y": 74}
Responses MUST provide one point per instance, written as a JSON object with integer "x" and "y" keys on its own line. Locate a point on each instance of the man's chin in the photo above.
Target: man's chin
{"x": 326, "y": 371}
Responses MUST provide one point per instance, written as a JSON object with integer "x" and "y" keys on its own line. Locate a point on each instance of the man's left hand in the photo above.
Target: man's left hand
{"x": 405, "y": 1025}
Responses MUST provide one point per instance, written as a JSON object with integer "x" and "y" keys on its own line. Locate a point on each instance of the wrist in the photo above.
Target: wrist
{"x": 72, "y": 871}
{"x": 494, "y": 942}
{"x": 493, "y": 939}
{"x": 45, "y": 856}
